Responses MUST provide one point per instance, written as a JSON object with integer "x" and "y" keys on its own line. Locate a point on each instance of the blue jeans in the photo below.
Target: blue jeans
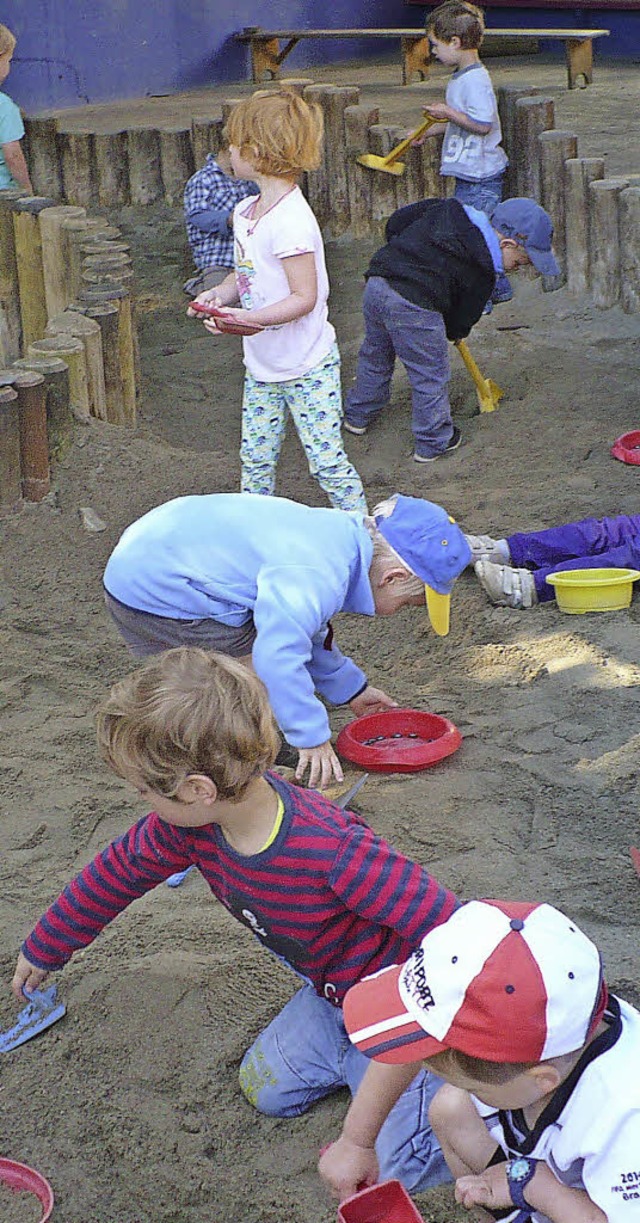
{"x": 395, "y": 327}
{"x": 305, "y": 1054}
{"x": 483, "y": 193}
{"x": 592, "y": 543}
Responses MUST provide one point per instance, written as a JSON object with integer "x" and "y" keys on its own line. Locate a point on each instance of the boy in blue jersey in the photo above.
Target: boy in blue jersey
{"x": 13, "y": 167}
{"x": 260, "y": 578}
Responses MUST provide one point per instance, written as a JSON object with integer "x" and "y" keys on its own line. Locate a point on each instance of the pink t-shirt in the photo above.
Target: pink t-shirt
{"x": 281, "y": 353}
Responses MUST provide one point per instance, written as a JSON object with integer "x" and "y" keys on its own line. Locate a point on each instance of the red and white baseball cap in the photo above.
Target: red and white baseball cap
{"x": 502, "y": 981}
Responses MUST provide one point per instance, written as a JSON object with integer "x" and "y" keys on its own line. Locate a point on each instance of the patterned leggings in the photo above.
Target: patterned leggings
{"x": 315, "y": 403}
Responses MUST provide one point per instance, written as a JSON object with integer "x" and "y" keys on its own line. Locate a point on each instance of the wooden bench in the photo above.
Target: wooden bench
{"x": 267, "y": 54}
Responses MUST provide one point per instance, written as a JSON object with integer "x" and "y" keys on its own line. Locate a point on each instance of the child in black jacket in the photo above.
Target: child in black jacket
{"x": 429, "y": 284}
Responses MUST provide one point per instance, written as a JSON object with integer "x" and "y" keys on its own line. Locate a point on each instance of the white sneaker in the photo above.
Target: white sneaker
{"x": 485, "y": 548}
{"x": 359, "y": 430}
{"x": 506, "y": 587}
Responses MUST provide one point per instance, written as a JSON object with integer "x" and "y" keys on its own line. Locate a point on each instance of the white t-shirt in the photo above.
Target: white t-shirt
{"x": 465, "y": 154}
{"x": 593, "y": 1142}
{"x": 279, "y": 354}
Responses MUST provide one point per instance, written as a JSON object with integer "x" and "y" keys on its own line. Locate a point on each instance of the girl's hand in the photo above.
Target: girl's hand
{"x": 323, "y": 765}
{"x": 28, "y": 976}
{"x": 372, "y": 700}
{"x": 208, "y": 298}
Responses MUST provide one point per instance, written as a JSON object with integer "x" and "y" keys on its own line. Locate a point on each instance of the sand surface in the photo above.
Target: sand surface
{"x": 130, "y": 1105}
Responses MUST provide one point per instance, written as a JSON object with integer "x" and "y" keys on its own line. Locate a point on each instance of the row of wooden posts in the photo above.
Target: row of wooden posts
{"x": 68, "y": 344}
{"x": 596, "y": 218}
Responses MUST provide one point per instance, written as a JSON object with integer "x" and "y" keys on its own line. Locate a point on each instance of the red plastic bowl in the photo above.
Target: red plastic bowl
{"x": 26, "y": 1180}
{"x": 627, "y": 448}
{"x": 398, "y": 740}
{"x": 387, "y": 1202}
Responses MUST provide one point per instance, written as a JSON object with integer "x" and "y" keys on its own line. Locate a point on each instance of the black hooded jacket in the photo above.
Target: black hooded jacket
{"x": 438, "y": 259}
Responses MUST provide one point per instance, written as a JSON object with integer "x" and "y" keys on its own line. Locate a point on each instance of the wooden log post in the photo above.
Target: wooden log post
{"x": 112, "y": 168}
{"x": 206, "y": 137}
{"x": 383, "y": 188}
{"x": 604, "y": 241}
{"x": 145, "y": 173}
{"x": 70, "y": 350}
{"x": 434, "y": 184}
{"x": 176, "y": 162}
{"x": 629, "y": 204}
{"x": 555, "y": 149}
{"x": 28, "y": 246}
{"x": 59, "y": 418}
{"x": 579, "y": 173}
{"x": 318, "y": 183}
{"x": 507, "y": 97}
{"x": 334, "y": 153}
{"x": 73, "y": 232}
{"x": 10, "y": 325}
{"x": 77, "y": 156}
{"x": 45, "y": 169}
{"x": 124, "y": 403}
{"x": 106, "y": 315}
{"x": 533, "y": 116}
{"x": 10, "y": 474}
{"x": 34, "y": 445}
{"x": 56, "y": 282}
{"x": 87, "y": 330}
{"x": 357, "y": 121}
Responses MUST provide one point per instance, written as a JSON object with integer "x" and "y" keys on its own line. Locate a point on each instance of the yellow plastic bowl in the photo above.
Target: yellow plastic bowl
{"x": 587, "y": 590}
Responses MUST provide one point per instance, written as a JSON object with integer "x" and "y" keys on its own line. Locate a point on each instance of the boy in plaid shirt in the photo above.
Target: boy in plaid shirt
{"x": 210, "y": 197}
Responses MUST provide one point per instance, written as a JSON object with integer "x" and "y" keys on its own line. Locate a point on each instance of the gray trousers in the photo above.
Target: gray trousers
{"x": 394, "y": 327}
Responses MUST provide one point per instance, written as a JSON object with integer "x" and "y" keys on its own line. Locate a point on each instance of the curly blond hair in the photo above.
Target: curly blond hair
{"x": 188, "y": 711}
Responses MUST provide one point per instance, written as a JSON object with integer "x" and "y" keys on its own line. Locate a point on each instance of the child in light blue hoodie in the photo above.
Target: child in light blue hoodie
{"x": 260, "y": 578}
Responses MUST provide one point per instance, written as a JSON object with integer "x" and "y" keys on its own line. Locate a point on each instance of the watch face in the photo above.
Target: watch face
{"x": 519, "y": 1169}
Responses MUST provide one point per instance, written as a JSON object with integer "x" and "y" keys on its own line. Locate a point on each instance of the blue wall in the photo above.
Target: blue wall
{"x": 74, "y": 51}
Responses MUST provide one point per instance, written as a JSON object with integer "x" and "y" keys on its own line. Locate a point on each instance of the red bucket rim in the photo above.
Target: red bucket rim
{"x": 626, "y": 448}
{"x": 435, "y": 739}
{"x": 27, "y": 1180}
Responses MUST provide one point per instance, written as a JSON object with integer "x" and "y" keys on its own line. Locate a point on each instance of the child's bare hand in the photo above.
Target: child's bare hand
{"x": 438, "y": 110}
{"x": 346, "y": 1167}
{"x": 372, "y": 700}
{"x": 209, "y": 297}
{"x": 323, "y": 764}
{"x": 26, "y": 975}
{"x": 489, "y": 1188}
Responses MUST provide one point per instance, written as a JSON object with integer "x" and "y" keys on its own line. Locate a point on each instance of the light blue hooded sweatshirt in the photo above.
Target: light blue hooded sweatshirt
{"x": 233, "y": 556}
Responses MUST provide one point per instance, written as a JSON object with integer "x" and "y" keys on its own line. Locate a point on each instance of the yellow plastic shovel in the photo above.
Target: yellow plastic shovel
{"x": 488, "y": 391}
{"x": 390, "y": 163}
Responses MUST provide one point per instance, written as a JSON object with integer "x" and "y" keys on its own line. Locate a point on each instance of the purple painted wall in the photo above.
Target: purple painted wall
{"x": 74, "y": 51}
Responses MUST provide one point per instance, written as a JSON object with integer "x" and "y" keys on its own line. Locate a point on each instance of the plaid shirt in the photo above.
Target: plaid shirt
{"x": 211, "y": 190}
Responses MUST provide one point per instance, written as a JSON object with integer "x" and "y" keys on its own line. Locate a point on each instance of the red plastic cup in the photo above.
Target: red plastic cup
{"x": 23, "y": 1179}
{"x": 386, "y": 1202}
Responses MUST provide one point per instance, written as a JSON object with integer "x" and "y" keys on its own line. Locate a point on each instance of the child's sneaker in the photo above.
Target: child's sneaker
{"x": 506, "y": 587}
{"x": 484, "y": 548}
{"x": 502, "y": 291}
{"x": 452, "y": 444}
{"x": 359, "y": 430}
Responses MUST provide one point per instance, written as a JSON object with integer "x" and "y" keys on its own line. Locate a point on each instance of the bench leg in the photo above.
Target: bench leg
{"x": 579, "y": 60}
{"x": 265, "y": 58}
{"x": 416, "y": 54}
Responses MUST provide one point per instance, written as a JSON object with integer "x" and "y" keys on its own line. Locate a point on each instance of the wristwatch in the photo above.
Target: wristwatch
{"x": 519, "y": 1172}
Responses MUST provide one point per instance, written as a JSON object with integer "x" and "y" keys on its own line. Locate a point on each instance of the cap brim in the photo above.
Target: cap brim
{"x": 544, "y": 262}
{"x": 439, "y": 609}
{"x": 379, "y": 1024}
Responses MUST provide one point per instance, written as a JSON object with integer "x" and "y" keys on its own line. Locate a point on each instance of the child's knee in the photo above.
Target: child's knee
{"x": 259, "y": 1084}
{"x": 447, "y": 1109}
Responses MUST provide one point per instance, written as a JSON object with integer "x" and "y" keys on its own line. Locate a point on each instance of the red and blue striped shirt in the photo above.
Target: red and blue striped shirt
{"x": 328, "y": 895}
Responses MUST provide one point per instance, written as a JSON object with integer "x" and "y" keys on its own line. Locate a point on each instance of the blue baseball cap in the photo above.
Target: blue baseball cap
{"x": 531, "y": 227}
{"x": 432, "y": 546}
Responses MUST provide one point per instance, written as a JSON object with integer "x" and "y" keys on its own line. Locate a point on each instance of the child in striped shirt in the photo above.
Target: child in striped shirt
{"x": 192, "y": 731}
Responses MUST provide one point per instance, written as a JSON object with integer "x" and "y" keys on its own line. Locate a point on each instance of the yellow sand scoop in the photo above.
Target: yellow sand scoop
{"x": 390, "y": 163}
{"x": 488, "y": 391}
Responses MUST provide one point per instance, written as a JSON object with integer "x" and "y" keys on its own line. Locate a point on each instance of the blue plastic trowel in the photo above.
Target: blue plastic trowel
{"x": 41, "y": 1011}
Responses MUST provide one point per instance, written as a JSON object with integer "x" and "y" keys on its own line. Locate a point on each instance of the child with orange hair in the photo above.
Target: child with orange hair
{"x": 280, "y": 282}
